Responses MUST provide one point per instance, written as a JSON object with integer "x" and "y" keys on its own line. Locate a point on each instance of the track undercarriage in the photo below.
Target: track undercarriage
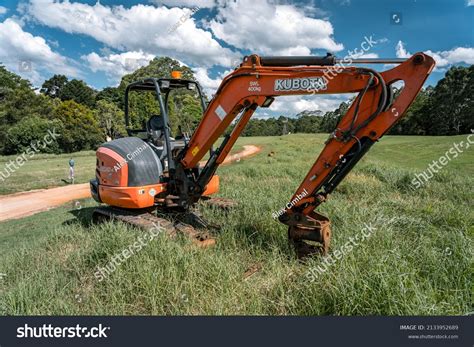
{"x": 172, "y": 223}
{"x": 191, "y": 225}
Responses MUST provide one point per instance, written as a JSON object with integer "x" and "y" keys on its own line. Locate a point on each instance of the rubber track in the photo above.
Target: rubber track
{"x": 148, "y": 221}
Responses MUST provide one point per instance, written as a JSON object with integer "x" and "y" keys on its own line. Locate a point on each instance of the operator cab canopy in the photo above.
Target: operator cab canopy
{"x": 162, "y": 88}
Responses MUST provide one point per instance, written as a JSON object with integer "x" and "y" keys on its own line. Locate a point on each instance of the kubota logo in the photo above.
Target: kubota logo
{"x": 308, "y": 83}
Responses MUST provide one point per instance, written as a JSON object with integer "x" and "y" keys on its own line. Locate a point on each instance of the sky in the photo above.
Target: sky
{"x": 100, "y": 41}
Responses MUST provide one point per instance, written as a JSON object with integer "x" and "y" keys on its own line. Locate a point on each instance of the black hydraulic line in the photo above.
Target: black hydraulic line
{"x": 347, "y": 60}
{"x": 359, "y": 149}
{"x": 346, "y": 164}
{"x": 380, "y": 107}
{"x": 211, "y": 166}
{"x": 327, "y": 60}
{"x": 359, "y": 100}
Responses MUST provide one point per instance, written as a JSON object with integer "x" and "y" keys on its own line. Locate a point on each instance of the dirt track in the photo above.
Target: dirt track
{"x": 24, "y": 204}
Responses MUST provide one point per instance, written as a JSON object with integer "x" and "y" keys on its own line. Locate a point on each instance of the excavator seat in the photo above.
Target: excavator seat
{"x": 156, "y": 130}
{"x": 155, "y": 127}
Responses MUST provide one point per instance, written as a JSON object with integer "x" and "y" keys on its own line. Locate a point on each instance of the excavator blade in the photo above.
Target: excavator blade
{"x": 310, "y": 235}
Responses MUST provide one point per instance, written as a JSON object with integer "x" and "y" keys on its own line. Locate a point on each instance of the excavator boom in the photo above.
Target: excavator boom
{"x": 151, "y": 173}
{"x": 258, "y": 81}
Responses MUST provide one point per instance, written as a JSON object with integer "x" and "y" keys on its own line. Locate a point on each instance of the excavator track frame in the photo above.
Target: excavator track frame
{"x": 172, "y": 224}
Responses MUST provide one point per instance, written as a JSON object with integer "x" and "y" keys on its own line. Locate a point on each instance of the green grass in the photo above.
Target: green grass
{"x": 46, "y": 170}
{"x": 420, "y": 264}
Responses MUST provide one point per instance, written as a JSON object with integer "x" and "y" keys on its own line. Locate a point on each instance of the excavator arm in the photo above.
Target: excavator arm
{"x": 257, "y": 82}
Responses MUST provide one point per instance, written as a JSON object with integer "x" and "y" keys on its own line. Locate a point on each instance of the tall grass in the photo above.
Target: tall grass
{"x": 419, "y": 264}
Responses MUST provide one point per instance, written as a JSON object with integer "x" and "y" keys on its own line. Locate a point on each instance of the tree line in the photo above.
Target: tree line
{"x": 85, "y": 117}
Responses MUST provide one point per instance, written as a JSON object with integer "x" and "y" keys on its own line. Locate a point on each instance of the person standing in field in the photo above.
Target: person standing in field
{"x": 71, "y": 170}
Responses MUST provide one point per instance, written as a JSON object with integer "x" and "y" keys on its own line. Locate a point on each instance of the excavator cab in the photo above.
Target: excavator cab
{"x": 133, "y": 172}
{"x": 157, "y": 129}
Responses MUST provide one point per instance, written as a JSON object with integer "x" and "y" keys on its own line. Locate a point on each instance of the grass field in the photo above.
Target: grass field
{"x": 47, "y": 170}
{"x": 420, "y": 263}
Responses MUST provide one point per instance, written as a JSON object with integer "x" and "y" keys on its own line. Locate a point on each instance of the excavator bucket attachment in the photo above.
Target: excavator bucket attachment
{"x": 310, "y": 235}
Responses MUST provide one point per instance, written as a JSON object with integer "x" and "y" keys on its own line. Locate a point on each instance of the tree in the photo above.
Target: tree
{"x": 449, "y": 110}
{"x": 79, "y": 92}
{"x": 30, "y": 131}
{"x": 413, "y": 122}
{"x": 187, "y": 111}
{"x": 54, "y": 86}
{"x": 112, "y": 95}
{"x": 111, "y": 119}
{"x": 158, "y": 68}
{"x": 80, "y": 127}
{"x": 308, "y": 124}
{"x": 17, "y": 101}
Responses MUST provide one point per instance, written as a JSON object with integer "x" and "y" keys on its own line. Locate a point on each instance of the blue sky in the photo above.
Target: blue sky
{"x": 99, "y": 42}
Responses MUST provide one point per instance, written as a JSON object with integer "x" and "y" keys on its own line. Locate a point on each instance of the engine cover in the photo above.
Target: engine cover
{"x": 127, "y": 162}
{"x": 128, "y": 174}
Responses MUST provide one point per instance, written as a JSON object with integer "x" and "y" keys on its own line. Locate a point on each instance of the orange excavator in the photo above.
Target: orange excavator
{"x": 152, "y": 177}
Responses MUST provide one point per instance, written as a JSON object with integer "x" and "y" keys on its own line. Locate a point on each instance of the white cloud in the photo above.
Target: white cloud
{"x": 3, "y": 10}
{"x": 459, "y": 55}
{"x": 401, "y": 52}
{"x": 30, "y": 56}
{"x": 208, "y": 84}
{"x": 117, "y": 65}
{"x": 292, "y": 105}
{"x": 443, "y": 58}
{"x": 470, "y": 3}
{"x": 186, "y": 3}
{"x": 138, "y": 28}
{"x": 272, "y": 29}
{"x": 296, "y": 50}
{"x": 364, "y": 55}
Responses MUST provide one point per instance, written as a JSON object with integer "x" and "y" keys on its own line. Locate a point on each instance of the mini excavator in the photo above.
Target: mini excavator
{"x": 151, "y": 177}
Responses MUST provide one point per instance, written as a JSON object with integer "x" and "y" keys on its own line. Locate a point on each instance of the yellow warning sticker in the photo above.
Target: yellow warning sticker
{"x": 195, "y": 150}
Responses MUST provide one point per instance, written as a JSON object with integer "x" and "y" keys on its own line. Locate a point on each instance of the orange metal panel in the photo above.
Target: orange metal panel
{"x": 112, "y": 169}
{"x": 213, "y": 186}
{"x": 130, "y": 197}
